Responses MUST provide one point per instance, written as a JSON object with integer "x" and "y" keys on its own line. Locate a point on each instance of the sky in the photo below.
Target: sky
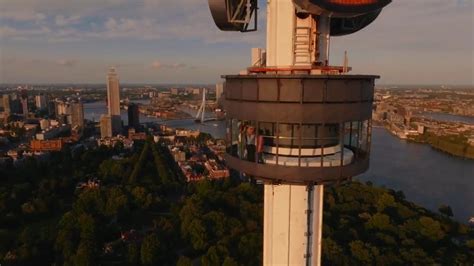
{"x": 176, "y": 41}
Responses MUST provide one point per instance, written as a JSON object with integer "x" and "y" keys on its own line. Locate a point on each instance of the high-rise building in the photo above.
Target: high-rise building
{"x": 24, "y": 106}
{"x": 219, "y": 91}
{"x": 133, "y": 116}
{"x": 52, "y": 108}
{"x": 105, "y": 126}
{"x": 113, "y": 101}
{"x": 77, "y": 116}
{"x": 24, "y": 101}
{"x": 63, "y": 108}
{"x": 7, "y": 103}
{"x": 15, "y": 105}
{"x": 41, "y": 102}
{"x": 63, "y": 119}
{"x": 116, "y": 124}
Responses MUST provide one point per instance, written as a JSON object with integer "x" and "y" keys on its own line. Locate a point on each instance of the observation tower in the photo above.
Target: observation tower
{"x": 294, "y": 121}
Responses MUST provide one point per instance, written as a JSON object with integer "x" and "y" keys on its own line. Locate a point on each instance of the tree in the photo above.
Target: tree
{"x": 116, "y": 201}
{"x": 111, "y": 170}
{"x": 133, "y": 254}
{"x": 431, "y": 228}
{"x": 446, "y": 210}
{"x": 229, "y": 262}
{"x": 470, "y": 244}
{"x": 198, "y": 234}
{"x": 250, "y": 247}
{"x": 416, "y": 256}
{"x": 386, "y": 200}
{"x": 87, "y": 225}
{"x": 85, "y": 254}
{"x": 379, "y": 222}
{"x": 360, "y": 252}
{"x": 211, "y": 257}
{"x": 184, "y": 261}
{"x": 66, "y": 238}
{"x": 28, "y": 236}
{"x": 333, "y": 254}
{"x": 151, "y": 252}
{"x": 140, "y": 197}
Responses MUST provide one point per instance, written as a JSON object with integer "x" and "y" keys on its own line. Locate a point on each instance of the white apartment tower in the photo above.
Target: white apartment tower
{"x": 41, "y": 102}
{"x": 105, "y": 126}
{"x": 219, "y": 91}
{"x": 113, "y": 100}
{"x": 77, "y": 115}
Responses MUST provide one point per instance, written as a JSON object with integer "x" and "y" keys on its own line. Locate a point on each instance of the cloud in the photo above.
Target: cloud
{"x": 22, "y": 15}
{"x": 66, "y": 62}
{"x": 121, "y": 19}
{"x": 408, "y": 34}
{"x": 158, "y": 65}
{"x": 179, "y": 65}
{"x": 130, "y": 28}
{"x": 62, "y": 21}
{"x": 23, "y": 34}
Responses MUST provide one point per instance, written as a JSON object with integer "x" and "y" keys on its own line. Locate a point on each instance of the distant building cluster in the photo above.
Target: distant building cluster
{"x": 113, "y": 141}
{"x": 35, "y": 121}
{"x": 198, "y": 161}
{"x": 33, "y": 124}
{"x": 406, "y": 113}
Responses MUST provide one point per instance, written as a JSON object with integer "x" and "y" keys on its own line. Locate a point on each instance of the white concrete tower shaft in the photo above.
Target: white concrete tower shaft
{"x": 292, "y": 213}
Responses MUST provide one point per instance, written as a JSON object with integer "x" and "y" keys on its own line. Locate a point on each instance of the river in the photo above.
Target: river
{"x": 426, "y": 176}
{"x": 93, "y": 111}
{"x": 449, "y": 117}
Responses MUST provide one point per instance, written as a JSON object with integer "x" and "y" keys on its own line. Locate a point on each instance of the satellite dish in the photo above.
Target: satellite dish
{"x": 347, "y": 16}
{"x": 234, "y": 15}
{"x": 344, "y": 26}
{"x": 341, "y": 8}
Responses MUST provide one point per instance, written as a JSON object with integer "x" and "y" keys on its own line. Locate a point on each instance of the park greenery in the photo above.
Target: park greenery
{"x": 144, "y": 213}
{"x": 456, "y": 145}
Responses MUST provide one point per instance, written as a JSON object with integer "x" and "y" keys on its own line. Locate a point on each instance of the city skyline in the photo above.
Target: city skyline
{"x": 158, "y": 42}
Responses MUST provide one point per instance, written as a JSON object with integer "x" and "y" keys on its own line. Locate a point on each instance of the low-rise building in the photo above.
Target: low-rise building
{"x": 169, "y": 138}
{"x": 216, "y": 170}
{"x": 111, "y": 142}
{"x": 15, "y": 154}
{"x": 52, "y": 132}
{"x": 187, "y": 133}
{"x": 47, "y": 145}
{"x": 133, "y": 135}
{"x": 178, "y": 155}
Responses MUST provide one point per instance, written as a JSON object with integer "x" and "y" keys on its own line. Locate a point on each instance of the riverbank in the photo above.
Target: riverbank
{"x": 453, "y": 145}
{"x": 448, "y": 117}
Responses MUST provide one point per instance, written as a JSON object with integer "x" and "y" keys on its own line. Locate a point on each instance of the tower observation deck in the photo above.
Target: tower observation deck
{"x": 293, "y": 120}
